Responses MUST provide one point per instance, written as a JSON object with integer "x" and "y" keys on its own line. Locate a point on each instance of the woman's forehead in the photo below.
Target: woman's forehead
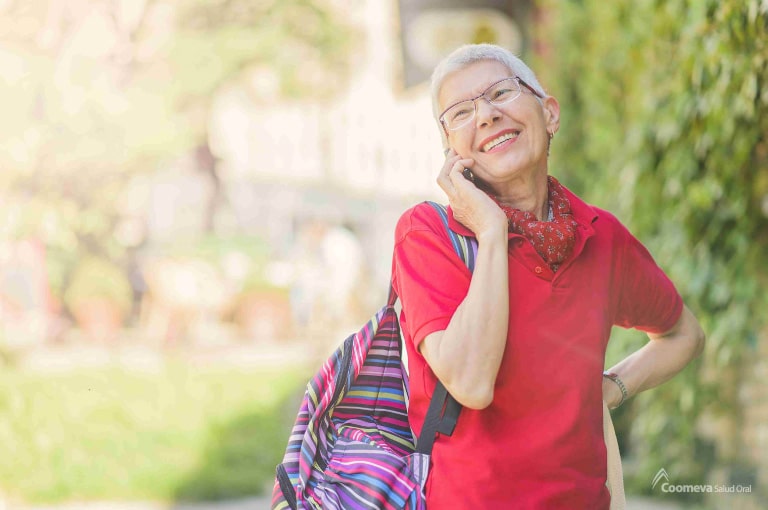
{"x": 471, "y": 80}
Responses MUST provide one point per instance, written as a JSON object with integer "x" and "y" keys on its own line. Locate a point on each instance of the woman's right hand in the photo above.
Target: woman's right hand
{"x": 467, "y": 354}
{"x": 471, "y": 206}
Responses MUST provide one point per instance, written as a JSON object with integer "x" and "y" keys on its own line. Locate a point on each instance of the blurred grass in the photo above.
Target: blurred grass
{"x": 178, "y": 433}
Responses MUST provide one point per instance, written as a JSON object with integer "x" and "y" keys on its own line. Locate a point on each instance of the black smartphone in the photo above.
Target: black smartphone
{"x": 478, "y": 182}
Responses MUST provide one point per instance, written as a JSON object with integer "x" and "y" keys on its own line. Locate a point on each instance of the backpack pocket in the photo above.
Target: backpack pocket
{"x": 364, "y": 474}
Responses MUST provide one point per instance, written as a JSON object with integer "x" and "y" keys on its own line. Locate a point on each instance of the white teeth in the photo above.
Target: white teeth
{"x": 496, "y": 141}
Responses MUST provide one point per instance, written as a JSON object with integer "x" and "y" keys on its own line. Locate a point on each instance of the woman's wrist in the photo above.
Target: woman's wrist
{"x": 493, "y": 233}
{"x": 615, "y": 388}
{"x": 611, "y": 394}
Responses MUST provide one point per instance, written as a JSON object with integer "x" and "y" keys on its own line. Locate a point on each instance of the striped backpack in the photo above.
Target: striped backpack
{"x": 351, "y": 446}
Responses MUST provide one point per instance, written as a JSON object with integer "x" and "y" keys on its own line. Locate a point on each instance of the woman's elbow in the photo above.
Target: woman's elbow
{"x": 700, "y": 339}
{"x": 696, "y": 335}
{"x": 690, "y": 334}
{"x": 475, "y": 397}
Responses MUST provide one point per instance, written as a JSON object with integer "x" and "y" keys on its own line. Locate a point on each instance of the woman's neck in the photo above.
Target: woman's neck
{"x": 530, "y": 195}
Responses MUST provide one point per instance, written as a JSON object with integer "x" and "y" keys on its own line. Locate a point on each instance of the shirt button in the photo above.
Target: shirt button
{"x": 538, "y": 270}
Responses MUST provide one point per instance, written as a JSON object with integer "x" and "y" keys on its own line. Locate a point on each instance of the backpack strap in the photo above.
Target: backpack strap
{"x": 465, "y": 247}
{"x": 443, "y": 411}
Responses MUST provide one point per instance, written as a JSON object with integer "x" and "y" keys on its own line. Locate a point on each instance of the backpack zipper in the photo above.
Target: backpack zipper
{"x": 346, "y": 361}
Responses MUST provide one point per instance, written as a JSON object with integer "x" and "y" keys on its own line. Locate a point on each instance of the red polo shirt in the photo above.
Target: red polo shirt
{"x": 539, "y": 445}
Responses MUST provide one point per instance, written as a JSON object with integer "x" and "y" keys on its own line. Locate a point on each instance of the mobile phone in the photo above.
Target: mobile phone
{"x": 478, "y": 182}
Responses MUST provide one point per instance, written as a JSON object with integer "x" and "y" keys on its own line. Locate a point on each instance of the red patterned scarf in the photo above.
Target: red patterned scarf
{"x": 553, "y": 240}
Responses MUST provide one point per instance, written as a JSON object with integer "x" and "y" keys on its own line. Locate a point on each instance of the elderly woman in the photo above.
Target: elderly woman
{"x": 521, "y": 342}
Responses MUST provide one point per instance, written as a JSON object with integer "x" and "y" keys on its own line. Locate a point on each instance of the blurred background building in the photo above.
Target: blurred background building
{"x": 138, "y": 131}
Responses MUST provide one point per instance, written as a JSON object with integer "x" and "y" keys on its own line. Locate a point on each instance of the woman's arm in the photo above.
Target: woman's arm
{"x": 662, "y": 357}
{"x": 466, "y": 355}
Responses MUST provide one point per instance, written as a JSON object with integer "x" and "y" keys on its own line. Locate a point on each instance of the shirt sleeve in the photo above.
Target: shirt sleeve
{"x": 648, "y": 300}
{"x": 429, "y": 277}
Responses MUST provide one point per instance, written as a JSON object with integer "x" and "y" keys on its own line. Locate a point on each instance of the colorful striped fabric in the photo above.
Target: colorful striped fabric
{"x": 351, "y": 446}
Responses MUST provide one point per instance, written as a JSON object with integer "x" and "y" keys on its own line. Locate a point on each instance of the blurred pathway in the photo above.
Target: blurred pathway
{"x": 239, "y": 504}
{"x": 263, "y": 504}
{"x": 266, "y": 354}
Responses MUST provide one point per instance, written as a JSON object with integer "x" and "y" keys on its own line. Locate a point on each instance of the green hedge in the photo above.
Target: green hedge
{"x": 162, "y": 431}
{"x": 664, "y": 122}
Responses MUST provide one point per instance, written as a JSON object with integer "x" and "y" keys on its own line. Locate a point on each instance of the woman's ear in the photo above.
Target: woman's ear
{"x": 551, "y": 113}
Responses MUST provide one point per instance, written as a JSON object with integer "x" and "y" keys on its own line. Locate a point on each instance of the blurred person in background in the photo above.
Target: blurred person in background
{"x": 521, "y": 342}
{"x": 308, "y": 268}
{"x": 330, "y": 269}
{"x": 344, "y": 263}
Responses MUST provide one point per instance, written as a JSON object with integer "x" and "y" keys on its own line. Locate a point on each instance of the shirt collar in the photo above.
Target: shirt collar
{"x": 584, "y": 214}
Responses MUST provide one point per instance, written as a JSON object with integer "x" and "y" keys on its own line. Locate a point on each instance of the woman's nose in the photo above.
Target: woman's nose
{"x": 486, "y": 113}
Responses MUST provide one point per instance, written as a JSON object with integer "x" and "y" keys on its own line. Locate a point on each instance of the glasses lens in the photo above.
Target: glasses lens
{"x": 459, "y": 114}
{"x": 503, "y": 92}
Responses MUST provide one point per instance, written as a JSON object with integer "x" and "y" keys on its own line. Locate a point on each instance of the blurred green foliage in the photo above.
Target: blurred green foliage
{"x": 664, "y": 122}
{"x": 150, "y": 430}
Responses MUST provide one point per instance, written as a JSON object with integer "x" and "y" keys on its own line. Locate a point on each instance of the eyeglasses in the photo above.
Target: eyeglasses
{"x": 502, "y": 92}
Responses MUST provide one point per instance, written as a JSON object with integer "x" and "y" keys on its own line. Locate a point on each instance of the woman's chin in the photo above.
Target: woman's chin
{"x": 506, "y": 169}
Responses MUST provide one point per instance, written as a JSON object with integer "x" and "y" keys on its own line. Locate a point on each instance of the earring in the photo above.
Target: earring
{"x": 551, "y": 134}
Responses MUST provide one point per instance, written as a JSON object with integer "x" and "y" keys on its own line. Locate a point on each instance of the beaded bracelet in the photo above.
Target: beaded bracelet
{"x": 615, "y": 378}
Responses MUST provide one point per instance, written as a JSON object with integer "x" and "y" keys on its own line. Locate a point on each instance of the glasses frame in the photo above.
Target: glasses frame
{"x": 517, "y": 79}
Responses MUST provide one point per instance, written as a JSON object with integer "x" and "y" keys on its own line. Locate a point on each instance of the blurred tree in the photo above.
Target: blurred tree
{"x": 665, "y": 115}
{"x": 95, "y": 92}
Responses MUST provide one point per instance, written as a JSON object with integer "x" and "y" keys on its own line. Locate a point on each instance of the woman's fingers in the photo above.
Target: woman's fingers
{"x": 470, "y": 205}
{"x": 453, "y": 165}
{"x": 443, "y": 179}
{"x": 457, "y": 177}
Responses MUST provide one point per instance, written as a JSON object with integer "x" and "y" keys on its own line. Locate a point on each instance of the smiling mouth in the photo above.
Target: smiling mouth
{"x": 500, "y": 139}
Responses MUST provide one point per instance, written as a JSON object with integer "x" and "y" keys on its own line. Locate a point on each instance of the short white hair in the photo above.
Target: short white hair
{"x": 468, "y": 54}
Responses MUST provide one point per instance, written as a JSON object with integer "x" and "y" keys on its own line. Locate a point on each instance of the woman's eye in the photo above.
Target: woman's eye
{"x": 461, "y": 113}
{"x": 500, "y": 94}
